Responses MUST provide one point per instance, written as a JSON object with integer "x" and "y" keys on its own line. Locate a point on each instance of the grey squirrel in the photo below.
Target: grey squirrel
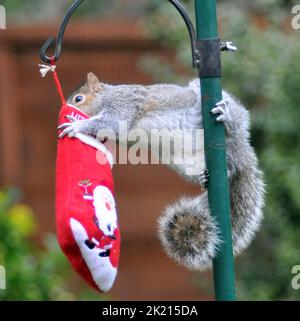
{"x": 187, "y": 231}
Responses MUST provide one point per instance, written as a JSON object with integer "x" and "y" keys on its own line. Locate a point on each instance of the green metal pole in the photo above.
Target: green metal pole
{"x": 215, "y": 153}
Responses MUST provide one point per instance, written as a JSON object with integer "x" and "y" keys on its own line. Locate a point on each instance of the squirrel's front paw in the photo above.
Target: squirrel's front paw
{"x": 222, "y": 110}
{"x": 76, "y": 126}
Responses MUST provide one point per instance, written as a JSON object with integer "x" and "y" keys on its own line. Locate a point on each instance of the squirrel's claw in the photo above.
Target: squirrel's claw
{"x": 74, "y": 127}
{"x": 63, "y": 126}
{"x": 221, "y": 109}
{"x": 71, "y": 118}
{"x": 66, "y": 129}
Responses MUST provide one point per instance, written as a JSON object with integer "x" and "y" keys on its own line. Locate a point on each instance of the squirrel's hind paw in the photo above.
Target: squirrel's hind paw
{"x": 203, "y": 178}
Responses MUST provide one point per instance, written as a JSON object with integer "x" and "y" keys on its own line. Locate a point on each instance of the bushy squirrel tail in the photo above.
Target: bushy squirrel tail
{"x": 188, "y": 233}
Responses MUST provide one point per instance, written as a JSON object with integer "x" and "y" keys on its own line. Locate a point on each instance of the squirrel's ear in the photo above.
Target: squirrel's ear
{"x": 93, "y": 83}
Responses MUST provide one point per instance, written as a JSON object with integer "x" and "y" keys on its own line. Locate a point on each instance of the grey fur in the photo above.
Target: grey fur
{"x": 187, "y": 231}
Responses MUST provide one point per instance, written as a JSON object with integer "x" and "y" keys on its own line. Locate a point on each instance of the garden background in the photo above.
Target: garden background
{"x": 144, "y": 41}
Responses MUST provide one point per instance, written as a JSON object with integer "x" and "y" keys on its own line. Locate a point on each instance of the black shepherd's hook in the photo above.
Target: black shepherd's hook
{"x": 177, "y": 4}
{"x": 59, "y": 40}
{"x": 58, "y": 48}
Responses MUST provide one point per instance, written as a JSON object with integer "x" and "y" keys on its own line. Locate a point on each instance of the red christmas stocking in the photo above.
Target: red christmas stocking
{"x": 86, "y": 217}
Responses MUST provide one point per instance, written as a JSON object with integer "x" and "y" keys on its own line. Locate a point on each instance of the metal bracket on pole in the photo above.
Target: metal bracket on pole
{"x": 209, "y": 58}
{"x": 206, "y": 63}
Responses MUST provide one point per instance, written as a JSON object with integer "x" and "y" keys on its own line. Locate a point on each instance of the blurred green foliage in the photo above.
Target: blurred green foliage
{"x": 32, "y": 11}
{"x": 33, "y": 272}
{"x": 265, "y": 75}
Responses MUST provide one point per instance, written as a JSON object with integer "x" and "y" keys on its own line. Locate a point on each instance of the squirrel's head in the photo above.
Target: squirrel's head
{"x": 86, "y": 96}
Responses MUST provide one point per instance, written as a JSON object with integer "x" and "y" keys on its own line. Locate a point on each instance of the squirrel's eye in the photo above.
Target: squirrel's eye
{"x": 79, "y": 99}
